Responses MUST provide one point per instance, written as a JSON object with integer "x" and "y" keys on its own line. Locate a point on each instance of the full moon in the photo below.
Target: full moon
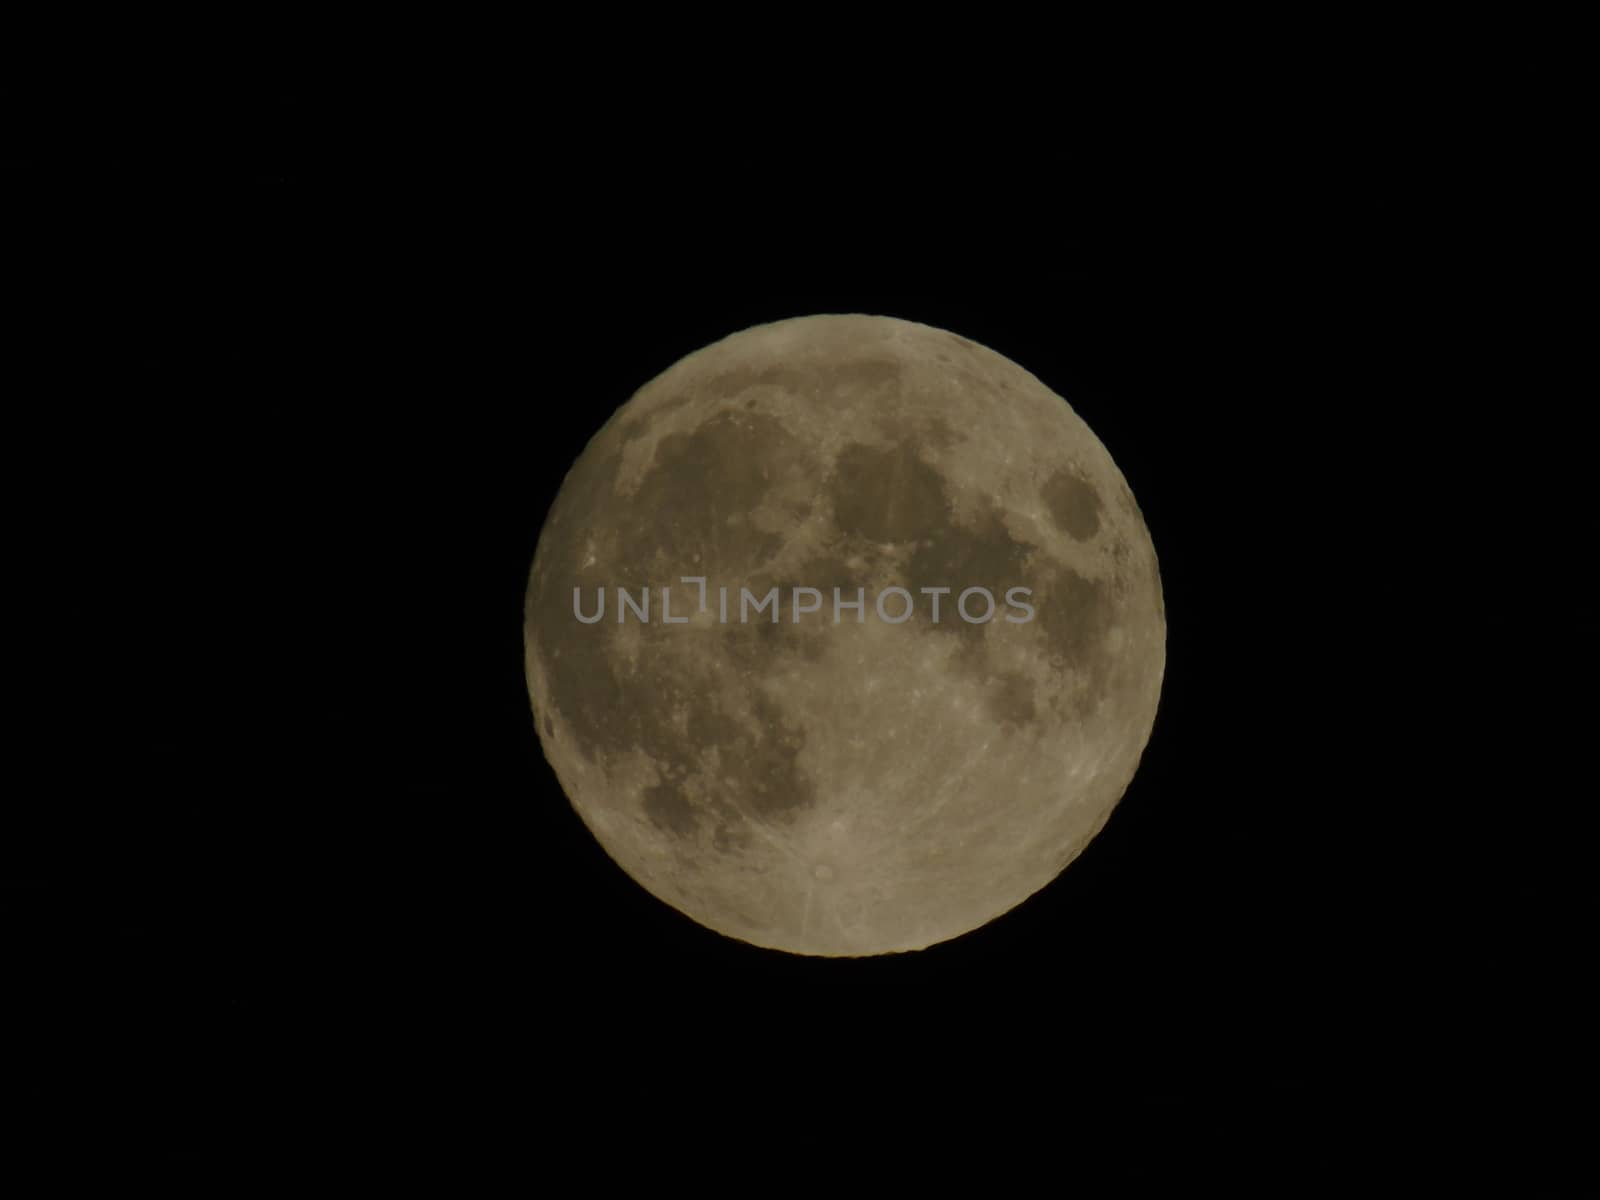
{"x": 844, "y": 636}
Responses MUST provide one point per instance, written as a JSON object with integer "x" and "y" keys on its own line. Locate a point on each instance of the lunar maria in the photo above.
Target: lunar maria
{"x": 975, "y": 605}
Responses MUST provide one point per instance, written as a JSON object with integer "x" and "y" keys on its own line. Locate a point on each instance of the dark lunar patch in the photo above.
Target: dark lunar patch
{"x": 860, "y": 375}
{"x": 768, "y": 764}
{"x": 889, "y": 495}
{"x": 614, "y": 710}
{"x": 754, "y": 646}
{"x": 959, "y": 556}
{"x": 673, "y": 703}
{"x": 810, "y": 642}
{"x": 1075, "y": 614}
{"x": 760, "y": 645}
{"x": 730, "y": 840}
{"x": 743, "y": 379}
{"x": 886, "y": 494}
{"x": 937, "y": 432}
{"x": 666, "y": 807}
{"x": 1011, "y": 700}
{"x": 827, "y": 570}
{"x": 1073, "y": 504}
{"x": 710, "y": 724}
{"x": 549, "y": 727}
{"x": 823, "y": 572}
{"x": 584, "y": 689}
{"x": 697, "y": 496}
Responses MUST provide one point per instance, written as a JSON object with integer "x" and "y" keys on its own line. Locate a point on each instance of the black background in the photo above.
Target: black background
{"x": 338, "y": 899}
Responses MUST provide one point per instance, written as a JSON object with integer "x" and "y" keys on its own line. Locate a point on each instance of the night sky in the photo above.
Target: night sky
{"x": 337, "y": 898}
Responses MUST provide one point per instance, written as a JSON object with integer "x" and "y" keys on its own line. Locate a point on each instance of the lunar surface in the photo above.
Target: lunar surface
{"x": 842, "y": 780}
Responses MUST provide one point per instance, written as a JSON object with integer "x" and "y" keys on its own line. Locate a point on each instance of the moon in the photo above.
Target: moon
{"x": 829, "y": 778}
